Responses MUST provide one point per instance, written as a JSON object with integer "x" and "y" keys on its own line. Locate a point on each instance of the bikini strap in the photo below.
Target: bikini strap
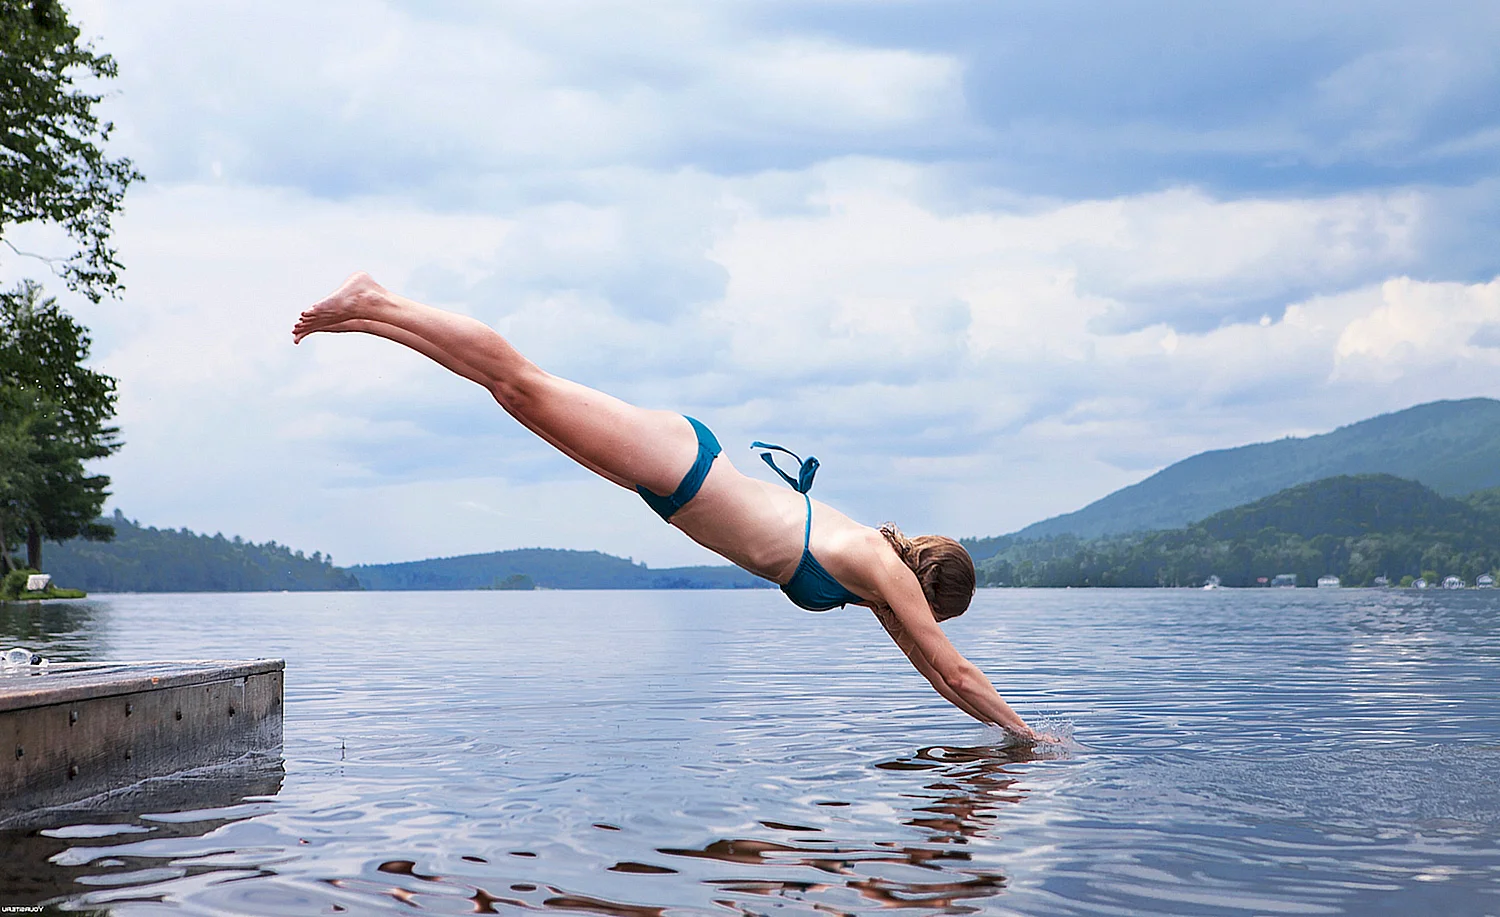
{"x": 807, "y": 532}
{"x": 804, "y": 480}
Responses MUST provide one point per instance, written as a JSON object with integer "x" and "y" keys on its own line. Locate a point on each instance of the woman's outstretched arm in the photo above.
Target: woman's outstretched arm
{"x": 909, "y": 621}
{"x": 908, "y": 646}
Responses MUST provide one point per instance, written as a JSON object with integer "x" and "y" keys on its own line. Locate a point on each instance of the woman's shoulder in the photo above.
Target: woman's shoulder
{"x": 861, "y": 560}
{"x": 855, "y": 544}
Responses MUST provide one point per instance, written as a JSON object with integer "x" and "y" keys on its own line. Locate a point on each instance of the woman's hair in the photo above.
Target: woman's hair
{"x": 942, "y": 566}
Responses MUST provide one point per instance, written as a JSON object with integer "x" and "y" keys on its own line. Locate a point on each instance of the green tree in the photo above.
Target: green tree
{"x": 52, "y": 167}
{"x": 54, "y": 416}
{"x": 20, "y": 471}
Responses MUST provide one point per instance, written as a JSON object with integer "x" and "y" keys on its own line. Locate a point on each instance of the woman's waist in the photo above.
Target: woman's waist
{"x": 766, "y": 547}
{"x": 770, "y": 562}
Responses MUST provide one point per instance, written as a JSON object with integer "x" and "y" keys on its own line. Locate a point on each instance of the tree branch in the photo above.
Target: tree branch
{"x": 51, "y": 263}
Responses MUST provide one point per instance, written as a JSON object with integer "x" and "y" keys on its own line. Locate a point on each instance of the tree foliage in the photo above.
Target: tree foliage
{"x": 143, "y": 559}
{"x": 54, "y": 416}
{"x": 20, "y": 466}
{"x": 52, "y": 165}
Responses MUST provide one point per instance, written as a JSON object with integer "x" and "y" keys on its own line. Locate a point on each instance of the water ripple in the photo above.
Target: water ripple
{"x": 1237, "y": 752}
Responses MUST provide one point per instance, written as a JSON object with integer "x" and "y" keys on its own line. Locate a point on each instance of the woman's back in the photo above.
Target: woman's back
{"x": 760, "y": 526}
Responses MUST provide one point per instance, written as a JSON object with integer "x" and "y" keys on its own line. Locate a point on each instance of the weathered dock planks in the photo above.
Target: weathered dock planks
{"x": 81, "y": 729}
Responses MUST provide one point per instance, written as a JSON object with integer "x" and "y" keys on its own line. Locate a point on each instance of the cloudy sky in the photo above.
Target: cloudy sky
{"x": 988, "y": 261}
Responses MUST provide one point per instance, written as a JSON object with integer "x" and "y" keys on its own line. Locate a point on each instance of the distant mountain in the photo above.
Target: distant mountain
{"x": 549, "y": 569}
{"x": 1354, "y": 527}
{"x": 142, "y": 559}
{"x": 1452, "y": 447}
{"x": 982, "y": 548}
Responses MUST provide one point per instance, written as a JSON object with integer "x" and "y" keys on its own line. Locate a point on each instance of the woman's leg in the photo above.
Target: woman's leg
{"x": 626, "y": 444}
{"x": 420, "y": 345}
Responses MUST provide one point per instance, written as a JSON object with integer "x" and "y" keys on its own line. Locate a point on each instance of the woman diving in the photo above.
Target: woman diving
{"x": 821, "y": 558}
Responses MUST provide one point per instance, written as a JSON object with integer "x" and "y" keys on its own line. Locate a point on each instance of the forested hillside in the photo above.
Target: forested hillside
{"x": 142, "y": 559}
{"x": 548, "y": 569}
{"x": 1452, "y": 447}
{"x": 1354, "y": 527}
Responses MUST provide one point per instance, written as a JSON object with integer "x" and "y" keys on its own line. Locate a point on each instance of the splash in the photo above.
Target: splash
{"x": 1055, "y": 736}
{"x": 1058, "y": 728}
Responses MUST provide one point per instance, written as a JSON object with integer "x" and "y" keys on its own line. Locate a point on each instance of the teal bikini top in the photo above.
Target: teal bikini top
{"x": 811, "y": 588}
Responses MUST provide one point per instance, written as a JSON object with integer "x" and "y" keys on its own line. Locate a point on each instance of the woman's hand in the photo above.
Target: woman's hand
{"x": 1033, "y": 737}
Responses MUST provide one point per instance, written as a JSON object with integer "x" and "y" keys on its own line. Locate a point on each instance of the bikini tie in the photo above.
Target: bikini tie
{"x": 809, "y": 467}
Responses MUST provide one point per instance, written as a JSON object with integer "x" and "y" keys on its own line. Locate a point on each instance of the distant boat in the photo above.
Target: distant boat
{"x": 1211, "y": 583}
{"x": 1382, "y": 581}
{"x": 1454, "y": 582}
{"x": 1328, "y": 582}
{"x": 1284, "y": 581}
{"x": 1419, "y": 583}
{"x": 1485, "y": 581}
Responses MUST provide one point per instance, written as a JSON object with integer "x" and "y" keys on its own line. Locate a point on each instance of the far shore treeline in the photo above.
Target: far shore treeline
{"x": 146, "y": 559}
{"x": 1358, "y": 528}
{"x": 143, "y": 559}
{"x": 1438, "y": 517}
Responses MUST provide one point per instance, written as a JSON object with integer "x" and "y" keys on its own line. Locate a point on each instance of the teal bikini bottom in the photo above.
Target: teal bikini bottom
{"x": 708, "y": 450}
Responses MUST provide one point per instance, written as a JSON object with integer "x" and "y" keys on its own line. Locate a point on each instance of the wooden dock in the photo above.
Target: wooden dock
{"x": 81, "y": 729}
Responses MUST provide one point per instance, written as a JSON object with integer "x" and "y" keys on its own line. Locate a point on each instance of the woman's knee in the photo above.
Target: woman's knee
{"x": 520, "y": 391}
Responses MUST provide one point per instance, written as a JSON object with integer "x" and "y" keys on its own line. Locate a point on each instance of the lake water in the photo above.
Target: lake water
{"x": 644, "y": 753}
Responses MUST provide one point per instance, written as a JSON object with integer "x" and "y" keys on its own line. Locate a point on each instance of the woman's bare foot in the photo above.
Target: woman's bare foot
{"x": 359, "y": 298}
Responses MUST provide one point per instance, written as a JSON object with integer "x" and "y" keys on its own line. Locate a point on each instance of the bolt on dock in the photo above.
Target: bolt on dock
{"x": 75, "y": 730}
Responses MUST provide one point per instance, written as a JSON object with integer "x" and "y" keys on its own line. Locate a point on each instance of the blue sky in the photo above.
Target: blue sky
{"x": 988, "y": 261}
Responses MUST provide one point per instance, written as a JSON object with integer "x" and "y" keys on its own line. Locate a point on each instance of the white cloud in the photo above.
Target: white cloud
{"x": 359, "y": 96}
{"x": 825, "y": 87}
{"x": 1420, "y": 328}
{"x": 949, "y": 366}
{"x": 962, "y": 356}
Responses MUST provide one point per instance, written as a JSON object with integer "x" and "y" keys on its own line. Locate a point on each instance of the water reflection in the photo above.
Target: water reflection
{"x": 961, "y": 805}
{"x": 1249, "y": 752}
{"x": 109, "y": 841}
{"x": 63, "y": 631}
{"x": 444, "y": 890}
{"x": 958, "y": 797}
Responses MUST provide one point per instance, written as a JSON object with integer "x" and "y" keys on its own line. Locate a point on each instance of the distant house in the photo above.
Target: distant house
{"x": 1453, "y": 582}
{"x": 1284, "y": 580}
{"x": 1485, "y": 581}
{"x": 1328, "y": 582}
{"x": 1382, "y": 581}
